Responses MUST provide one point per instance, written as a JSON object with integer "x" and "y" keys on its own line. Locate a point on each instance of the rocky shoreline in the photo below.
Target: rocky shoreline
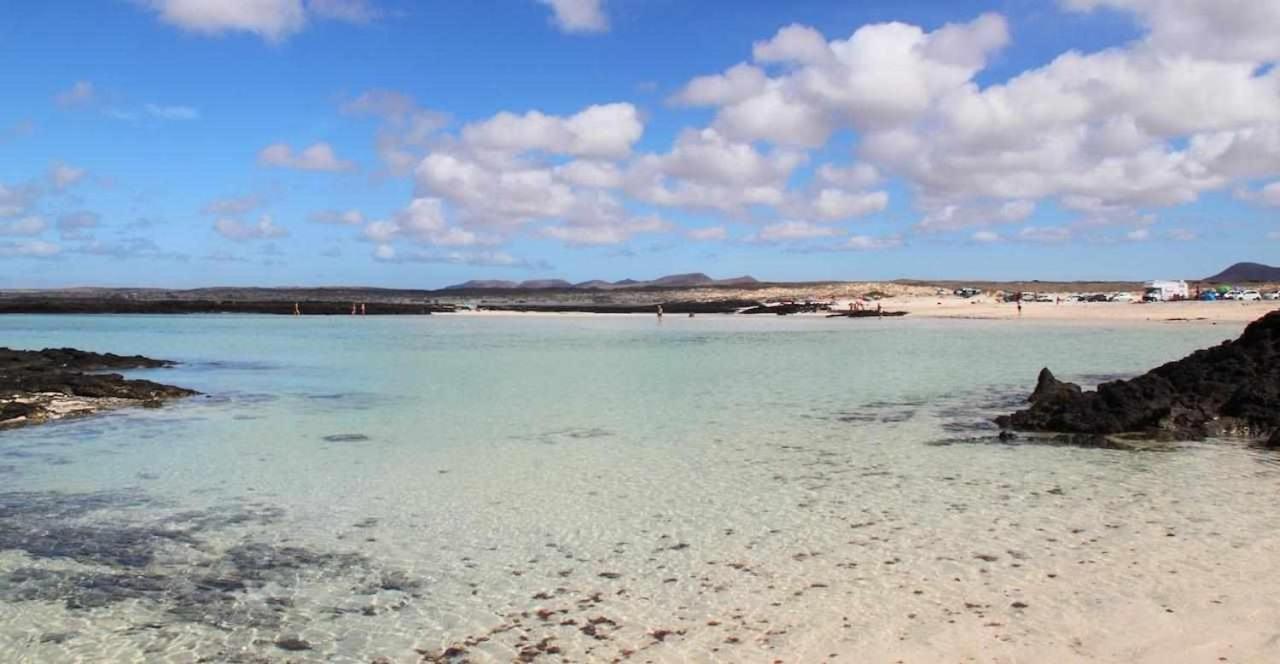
{"x": 50, "y": 384}
{"x": 1230, "y": 390}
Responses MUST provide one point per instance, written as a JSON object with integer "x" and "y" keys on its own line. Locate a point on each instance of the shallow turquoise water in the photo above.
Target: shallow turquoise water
{"x": 778, "y": 477}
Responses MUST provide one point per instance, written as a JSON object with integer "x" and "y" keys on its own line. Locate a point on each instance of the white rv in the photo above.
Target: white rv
{"x": 1163, "y": 291}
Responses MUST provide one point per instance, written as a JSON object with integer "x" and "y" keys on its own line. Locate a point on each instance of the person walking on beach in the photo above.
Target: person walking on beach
{"x": 296, "y": 310}
{"x": 659, "y": 311}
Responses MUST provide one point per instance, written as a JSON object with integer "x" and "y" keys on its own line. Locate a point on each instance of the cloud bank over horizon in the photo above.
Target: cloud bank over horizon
{"x": 829, "y": 147}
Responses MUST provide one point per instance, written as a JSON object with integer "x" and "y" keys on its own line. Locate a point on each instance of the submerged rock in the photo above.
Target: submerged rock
{"x": 37, "y": 386}
{"x": 1232, "y": 389}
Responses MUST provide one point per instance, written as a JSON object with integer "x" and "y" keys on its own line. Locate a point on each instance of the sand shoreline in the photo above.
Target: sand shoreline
{"x": 983, "y": 309}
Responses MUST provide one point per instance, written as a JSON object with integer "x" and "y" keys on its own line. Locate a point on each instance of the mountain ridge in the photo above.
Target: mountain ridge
{"x": 683, "y": 280}
{"x": 1247, "y": 272}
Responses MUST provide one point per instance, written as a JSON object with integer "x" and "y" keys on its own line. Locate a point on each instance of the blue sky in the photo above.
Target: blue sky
{"x": 417, "y": 144}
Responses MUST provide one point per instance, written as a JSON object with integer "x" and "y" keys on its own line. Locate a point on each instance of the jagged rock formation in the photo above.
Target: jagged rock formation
{"x": 1229, "y": 390}
{"x": 37, "y": 386}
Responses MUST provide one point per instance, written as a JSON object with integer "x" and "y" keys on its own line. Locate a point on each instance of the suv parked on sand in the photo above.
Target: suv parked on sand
{"x": 1250, "y": 295}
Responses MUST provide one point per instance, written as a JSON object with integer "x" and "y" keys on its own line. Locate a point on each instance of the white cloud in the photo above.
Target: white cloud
{"x": 80, "y": 94}
{"x": 708, "y": 234}
{"x": 1048, "y": 234}
{"x": 27, "y": 226}
{"x": 350, "y": 11}
{"x": 63, "y": 176}
{"x": 883, "y": 76}
{"x": 705, "y": 169}
{"x": 871, "y": 243}
{"x": 29, "y": 249}
{"x": 986, "y": 237}
{"x": 347, "y": 217}
{"x": 406, "y": 129}
{"x": 317, "y": 157}
{"x": 953, "y": 217}
{"x": 836, "y": 204}
{"x": 16, "y": 200}
{"x": 77, "y": 225}
{"x": 234, "y": 229}
{"x": 1268, "y": 195}
{"x": 234, "y": 206}
{"x": 1219, "y": 29}
{"x": 578, "y": 16}
{"x": 272, "y": 20}
{"x": 785, "y": 231}
{"x": 1138, "y": 235}
{"x": 607, "y": 130}
{"x": 1183, "y": 235}
{"x": 388, "y": 254}
{"x": 171, "y": 112}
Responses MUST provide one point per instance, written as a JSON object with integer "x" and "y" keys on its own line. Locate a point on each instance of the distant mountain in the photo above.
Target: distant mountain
{"x": 483, "y": 284}
{"x": 690, "y": 280}
{"x": 545, "y": 283}
{"x": 1247, "y": 272}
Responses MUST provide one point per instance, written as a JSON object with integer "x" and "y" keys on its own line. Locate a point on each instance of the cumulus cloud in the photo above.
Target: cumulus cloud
{"x": 17, "y": 199}
{"x": 316, "y": 157}
{"x": 388, "y": 254}
{"x": 171, "y": 112}
{"x": 29, "y": 249}
{"x": 79, "y": 95}
{"x": 406, "y": 129}
{"x": 63, "y": 176}
{"x": 872, "y": 243}
{"x": 1192, "y": 106}
{"x": 786, "y": 231}
{"x": 986, "y": 237}
{"x": 272, "y": 20}
{"x": 607, "y": 130}
{"x": 708, "y": 234}
{"x": 706, "y": 169}
{"x": 350, "y": 11}
{"x": 240, "y": 231}
{"x": 27, "y": 226}
{"x": 578, "y": 16}
{"x": 345, "y": 217}
{"x": 1268, "y": 195}
{"x": 77, "y": 225}
{"x": 1047, "y": 234}
{"x": 234, "y": 206}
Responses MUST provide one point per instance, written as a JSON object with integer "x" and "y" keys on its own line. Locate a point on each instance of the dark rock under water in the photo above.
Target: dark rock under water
{"x": 29, "y": 377}
{"x": 1232, "y": 389}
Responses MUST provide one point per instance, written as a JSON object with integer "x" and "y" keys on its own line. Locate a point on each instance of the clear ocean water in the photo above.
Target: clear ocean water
{"x": 598, "y": 488}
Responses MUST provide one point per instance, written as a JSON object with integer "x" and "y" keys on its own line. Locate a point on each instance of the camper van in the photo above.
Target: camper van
{"x": 1164, "y": 291}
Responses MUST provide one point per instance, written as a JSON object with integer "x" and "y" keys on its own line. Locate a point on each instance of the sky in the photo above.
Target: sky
{"x": 420, "y": 143}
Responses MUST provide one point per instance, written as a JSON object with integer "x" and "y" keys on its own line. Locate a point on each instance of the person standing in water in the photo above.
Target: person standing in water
{"x": 659, "y": 311}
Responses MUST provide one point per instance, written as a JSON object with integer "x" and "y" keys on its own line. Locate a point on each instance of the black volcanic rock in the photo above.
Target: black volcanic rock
{"x": 33, "y": 382}
{"x": 1243, "y": 272}
{"x": 1229, "y": 390}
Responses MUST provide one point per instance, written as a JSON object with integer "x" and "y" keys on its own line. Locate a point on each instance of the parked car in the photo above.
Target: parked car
{"x": 1250, "y": 296}
{"x": 1231, "y": 295}
{"x": 1209, "y": 296}
{"x": 1097, "y": 297}
{"x": 1123, "y": 297}
{"x": 1273, "y": 295}
{"x": 1044, "y": 297}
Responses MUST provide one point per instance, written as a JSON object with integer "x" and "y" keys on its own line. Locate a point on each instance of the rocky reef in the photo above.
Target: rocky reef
{"x": 49, "y": 384}
{"x": 1230, "y": 390}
